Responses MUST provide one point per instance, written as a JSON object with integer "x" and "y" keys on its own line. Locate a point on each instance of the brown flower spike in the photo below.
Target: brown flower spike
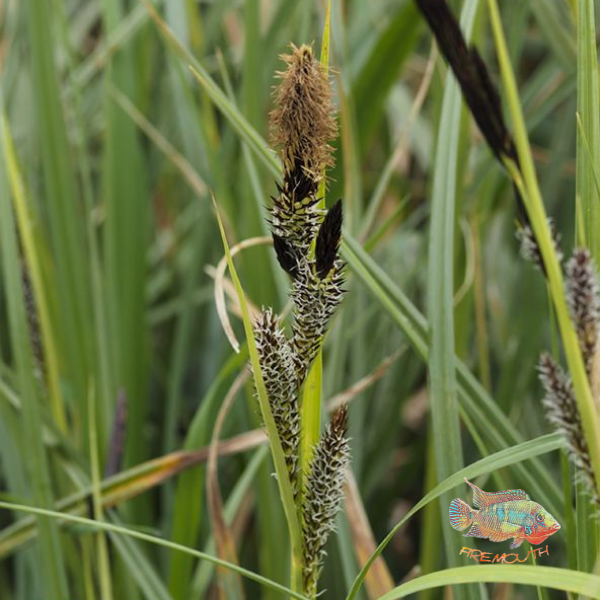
{"x": 302, "y": 124}
{"x": 302, "y": 127}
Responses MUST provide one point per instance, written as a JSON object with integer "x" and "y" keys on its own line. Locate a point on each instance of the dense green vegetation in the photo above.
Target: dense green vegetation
{"x": 133, "y": 462}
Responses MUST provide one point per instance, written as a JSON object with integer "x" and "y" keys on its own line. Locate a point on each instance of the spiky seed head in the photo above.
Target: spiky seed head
{"x": 583, "y": 299}
{"x": 302, "y": 124}
{"x": 315, "y": 302}
{"x": 323, "y": 495}
{"x": 529, "y": 248}
{"x": 279, "y": 374}
{"x": 563, "y": 413}
{"x": 295, "y": 221}
{"x": 328, "y": 240}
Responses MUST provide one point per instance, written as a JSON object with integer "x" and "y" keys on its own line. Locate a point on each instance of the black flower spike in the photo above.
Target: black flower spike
{"x": 323, "y": 495}
{"x": 286, "y": 256}
{"x": 475, "y": 82}
{"x": 328, "y": 240}
{"x": 315, "y": 301}
{"x": 583, "y": 298}
{"x": 563, "y": 413}
{"x": 279, "y": 374}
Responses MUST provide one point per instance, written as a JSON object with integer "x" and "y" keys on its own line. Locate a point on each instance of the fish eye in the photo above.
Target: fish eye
{"x": 540, "y": 517}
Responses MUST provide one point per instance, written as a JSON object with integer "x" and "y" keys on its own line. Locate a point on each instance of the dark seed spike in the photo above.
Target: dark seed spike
{"x": 328, "y": 240}
{"x": 563, "y": 413}
{"x": 323, "y": 495}
{"x": 478, "y": 88}
{"x": 316, "y": 301}
{"x": 278, "y": 370}
{"x": 583, "y": 298}
{"x": 470, "y": 71}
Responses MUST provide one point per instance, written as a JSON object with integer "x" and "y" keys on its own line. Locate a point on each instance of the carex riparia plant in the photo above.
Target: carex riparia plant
{"x": 306, "y": 239}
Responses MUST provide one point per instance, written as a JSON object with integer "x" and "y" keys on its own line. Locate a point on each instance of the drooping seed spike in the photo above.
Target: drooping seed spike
{"x": 279, "y": 375}
{"x": 469, "y": 69}
{"x": 328, "y": 240}
{"x": 323, "y": 495}
{"x": 583, "y": 298}
{"x": 479, "y": 91}
{"x": 563, "y": 413}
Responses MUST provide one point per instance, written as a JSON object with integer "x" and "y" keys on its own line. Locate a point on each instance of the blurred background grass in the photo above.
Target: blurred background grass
{"x": 118, "y": 149}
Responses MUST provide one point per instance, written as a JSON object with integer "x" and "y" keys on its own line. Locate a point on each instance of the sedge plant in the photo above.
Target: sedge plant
{"x": 306, "y": 239}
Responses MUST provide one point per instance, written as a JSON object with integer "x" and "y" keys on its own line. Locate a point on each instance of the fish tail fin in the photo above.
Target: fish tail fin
{"x": 461, "y": 514}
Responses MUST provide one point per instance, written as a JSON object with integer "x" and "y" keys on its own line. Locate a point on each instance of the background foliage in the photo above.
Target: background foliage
{"x": 111, "y": 148}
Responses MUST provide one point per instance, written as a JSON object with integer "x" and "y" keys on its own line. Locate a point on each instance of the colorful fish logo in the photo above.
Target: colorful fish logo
{"x": 503, "y": 515}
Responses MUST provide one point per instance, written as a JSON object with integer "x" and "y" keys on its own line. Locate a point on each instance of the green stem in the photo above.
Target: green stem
{"x": 310, "y": 409}
{"x": 310, "y": 415}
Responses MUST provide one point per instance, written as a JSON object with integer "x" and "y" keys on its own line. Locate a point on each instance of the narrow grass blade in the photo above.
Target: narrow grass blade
{"x": 283, "y": 480}
{"x": 125, "y": 236}
{"x": 65, "y": 233}
{"x": 50, "y": 554}
{"x": 489, "y": 464}
{"x": 121, "y": 530}
{"x": 380, "y": 70}
{"x": 548, "y": 577}
{"x": 588, "y": 137}
{"x": 29, "y": 231}
{"x": 310, "y": 412}
{"x": 104, "y": 575}
{"x": 440, "y": 290}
